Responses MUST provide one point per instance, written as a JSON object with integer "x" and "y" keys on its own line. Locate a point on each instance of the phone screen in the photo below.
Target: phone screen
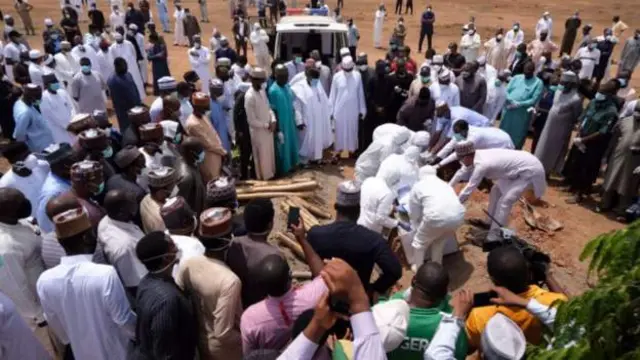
{"x": 294, "y": 216}
{"x": 483, "y": 298}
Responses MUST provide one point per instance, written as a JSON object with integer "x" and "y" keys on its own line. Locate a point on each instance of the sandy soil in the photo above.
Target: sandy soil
{"x": 468, "y": 267}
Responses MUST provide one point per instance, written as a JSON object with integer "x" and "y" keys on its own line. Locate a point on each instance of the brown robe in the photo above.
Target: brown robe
{"x": 201, "y": 129}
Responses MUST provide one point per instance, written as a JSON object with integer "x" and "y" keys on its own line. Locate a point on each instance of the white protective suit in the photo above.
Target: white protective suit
{"x": 407, "y": 163}
{"x": 512, "y": 171}
{"x": 388, "y": 129}
{"x": 126, "y": 51}
{"x": 496, "y": 98}
{"x": 368, "y": 163}
{"x": 420, "y": 139}
{"x": 376, "y": 203}
{"x": 435, "y": 213}
{"x": 200, "y": 64}
{"x": 259, "y": 40}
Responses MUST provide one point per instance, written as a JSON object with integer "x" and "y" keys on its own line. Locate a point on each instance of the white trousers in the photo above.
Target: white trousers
{"x": 504, "y": 194}
{"x": 431, "y": 239}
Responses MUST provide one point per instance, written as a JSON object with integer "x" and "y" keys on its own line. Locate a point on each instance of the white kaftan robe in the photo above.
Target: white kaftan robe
{"x": 126, "y": 51}
{"x": 88, "y": 53}
{"x": 497, "y": 53}
{"x": 178, "y": 36}
{"x": 116, "y": 20}
{"x": 470, "y": 46}
{"x": 259, "y": 40}
{"x": 347, "y": 105}
{"x": 496, "y": 97}
{"x": 57, "y": 110}
{"x": 35, "y": 73}
{"x": 67, "y": 66}
{"x": 378, "y": 23}
{"x": 200, "y": 64}
{"x": 313, "y": 109}
{"x": 105, "y": 64}
{"x": 259, "y": 117}
{"x": 450, "y": 94}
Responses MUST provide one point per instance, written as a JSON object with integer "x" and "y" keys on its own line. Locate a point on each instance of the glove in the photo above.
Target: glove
{"x": 636, "y": 171}
{"x": 281, "y": 137}
{"x": 427, "y": 156}
{"x": 404, "y": 226}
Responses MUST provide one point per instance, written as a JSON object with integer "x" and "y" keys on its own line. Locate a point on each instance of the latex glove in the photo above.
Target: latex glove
{"x": 636, "y": 171}
{"x": 281, "y": 137}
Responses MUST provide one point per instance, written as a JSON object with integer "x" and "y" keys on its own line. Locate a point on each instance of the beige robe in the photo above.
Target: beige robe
{"x": 202, "y": 130}
{"x": 150, "y": 215}
{"x": 259, "y": 116}
{"x": 215, "y": 293}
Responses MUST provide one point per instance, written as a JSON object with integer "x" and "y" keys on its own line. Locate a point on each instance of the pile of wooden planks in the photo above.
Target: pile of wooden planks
{"x": 309, "y": 213}
{"x": 257, "y": 189}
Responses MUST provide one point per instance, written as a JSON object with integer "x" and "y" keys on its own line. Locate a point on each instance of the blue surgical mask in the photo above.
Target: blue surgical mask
{"x": 108, "y": 152}
{"x": 458, "y": 137}
{"x": 560, "y": 88}
{"x": 298, "y": 59}
{"x": 600, "y": 96}
{"x": 200, "y": 158}
{"x": 315, "y": 82}
{"x": 100, "y": 189}
{"x": 553, "y": 88}
{"x": 36, "y": 103}
{"x": 425, "y": 79}
{"x": 178, "y": 138}
{"x": 497, "y": 82}
{"x": 86, "y": 69}
{"x": 623, "y": 83}
{"x": 54, "y": 86}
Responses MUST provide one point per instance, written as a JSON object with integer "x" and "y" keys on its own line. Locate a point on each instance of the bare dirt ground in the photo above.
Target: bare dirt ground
{"x": 467, "y": 268}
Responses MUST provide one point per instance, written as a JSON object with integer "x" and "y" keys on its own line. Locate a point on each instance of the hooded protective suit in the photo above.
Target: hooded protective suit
{"x": 369, "y": 161}
{"x": 388, "y": 129}
{"x": 407, "y": 164}
{"x": 435, "y": 214}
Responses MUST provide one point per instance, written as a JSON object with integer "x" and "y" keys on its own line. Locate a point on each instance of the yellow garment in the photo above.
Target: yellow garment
{"x": 531, "y": 326}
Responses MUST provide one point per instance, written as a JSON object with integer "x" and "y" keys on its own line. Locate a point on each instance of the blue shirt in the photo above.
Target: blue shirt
{"x": 30, "y": 127}
{"x": 52, "y": 187}
{"x": 460, "y": 113}
{"x": 218, "y": 118}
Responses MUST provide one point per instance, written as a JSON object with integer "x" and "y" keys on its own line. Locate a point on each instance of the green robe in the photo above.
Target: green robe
{"x": 525, "y": 93}
{"x": 281, "y": 100}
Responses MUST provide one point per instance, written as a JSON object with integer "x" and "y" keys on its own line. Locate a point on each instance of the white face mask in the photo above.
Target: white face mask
{"x": 174, "y": 191}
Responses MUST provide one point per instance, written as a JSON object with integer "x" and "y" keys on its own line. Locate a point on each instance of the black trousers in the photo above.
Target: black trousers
{"x": 247, "y": 170}
{"x": 429, "y": 36}
{"x": 241, "y": 45}
{"x": 398, "y": 7}
{"x": 352, "y": 50}
{"x": 409, "y": 6}
{"x": 340, "y": 4}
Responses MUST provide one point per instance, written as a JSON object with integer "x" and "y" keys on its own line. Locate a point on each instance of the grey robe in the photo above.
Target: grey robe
{"x": 554, "y": 140}
{"x": 473, "y": 93}
{"x": 619, "y": 177}
{"x": 630, "y": 56}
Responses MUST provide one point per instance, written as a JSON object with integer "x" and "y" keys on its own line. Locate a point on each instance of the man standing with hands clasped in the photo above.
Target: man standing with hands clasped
{"x": 262, "y": 124}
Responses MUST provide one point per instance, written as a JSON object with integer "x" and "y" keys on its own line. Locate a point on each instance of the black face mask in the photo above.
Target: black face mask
{"x": 24, "y": 210}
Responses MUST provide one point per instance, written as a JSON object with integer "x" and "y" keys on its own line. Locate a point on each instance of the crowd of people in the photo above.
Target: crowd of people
{"x": 128, "y": 242}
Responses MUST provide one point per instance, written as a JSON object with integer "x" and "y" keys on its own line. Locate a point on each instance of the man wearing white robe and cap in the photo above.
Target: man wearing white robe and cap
{"x": 262, "y": 124}
{"x": 57, "y": 108}
{"x": 369, "y": 161}
{"x": 470, "y": 45}
{"x": 512, "y": 171}
{"x": 124, "y": 48}
{"x": 35, "y": 69}
{"x": 496, "y": 95}
{"x": 84, "y": 51}
{"x": 143, "y": 64}
{"x": 497, "y": 52}
{"x": 348, "y": 106}
{"x": 544, "y": 24}
{"x": 312, "y": 109}
{"x": 66, "y": 64}
{"x": 200, "y": 57}
{"x": 445, "y": 90}
{"x": 435, "y": 213}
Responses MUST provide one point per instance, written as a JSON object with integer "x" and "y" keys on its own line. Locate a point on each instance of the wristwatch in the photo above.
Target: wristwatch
{"x": 450, "y": 318}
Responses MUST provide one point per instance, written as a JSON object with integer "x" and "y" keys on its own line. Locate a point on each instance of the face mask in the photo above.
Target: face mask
{"x": 623, "y": 83}
{"x": 608, "y": 38}
{"x": 36, "y": 103}
{"x": 425, "y": 79}
{"x": 315, "y": 82}
{"x": 54, "y": 36}
{"x": 100, "y": 189}
{"x": 54, "y": 87}
{"x": 600, "y": 96}
{"x": 174, "y": 191}
{"x": 298, "y": 59}
{"x": 458, "y": 137}
{"x": 178, "y": 138}
{"x": 263, "y": 86}
{"x": 108, "y": 152}
{"x": 86, "y": 69}
{"x": 200, "y": 158}
{"x": 363, "y": 68}
{"x": 515, "y": 28}
{"x": 553, "y": 88}
{"x": 592, "y": 46}
{"x": 543, "y": 59}
{"x": 560, "y": 88}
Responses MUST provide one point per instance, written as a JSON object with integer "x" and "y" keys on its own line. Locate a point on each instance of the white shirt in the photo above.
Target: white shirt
{"x": 17, "y": 340}
{"x": 460, "y": 113}
{"x": 435, "y": 202}
{"x": 498, "y": 164}
{"x": 58, "y": 109}
{"x": 376, "y": 204}
{"x": 30, "y": 185}
{"x": 544, "y": 25}
{"x": 86, "y": 306}
{"x": 119, "y": 240}
{"x": 20, "y": 267}
{"x": 12, "y": 51}
{"x": 589, "y": 59}
{"x": 35, "y": 73}
{"x": 450, "y": 94}
{"x": 482, "y": 138}
{"x": 155, "y": 111}
{"x": 116, "y": 20}
{"x": 514, "y": 39}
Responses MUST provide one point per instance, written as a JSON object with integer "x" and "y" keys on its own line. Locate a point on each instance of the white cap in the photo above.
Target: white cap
{"x": 437, "y": 59}
{"x": 503, "y": 339}
{"x": 133, "y": 27}
{"x": 344, "y": 51}
{"x": 392, "y": 319}
{"x": 445, "y": 74}
{"x": 420, "y": 138}
{"x": 412, "y": 153}
{"x": 48, "y": 22}
{"x": 347, "y": 63}
{"x": 546, "y": 13}
{"x": 35, "y": 54}
{"x": 482, "y": 60}
{"x": 169, "y": 128}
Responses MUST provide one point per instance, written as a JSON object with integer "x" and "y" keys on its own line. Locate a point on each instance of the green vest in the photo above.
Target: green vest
{"x": 423, "y": 324}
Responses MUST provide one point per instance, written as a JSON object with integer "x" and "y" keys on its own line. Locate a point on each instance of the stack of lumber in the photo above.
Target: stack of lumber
{"x": 308, "y": 212}
{"x": 257, "y": 189}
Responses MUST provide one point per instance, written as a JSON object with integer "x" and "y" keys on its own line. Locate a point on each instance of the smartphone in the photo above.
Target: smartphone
{"x": 483, "y": 298}
{"x": 294, "y": 216}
